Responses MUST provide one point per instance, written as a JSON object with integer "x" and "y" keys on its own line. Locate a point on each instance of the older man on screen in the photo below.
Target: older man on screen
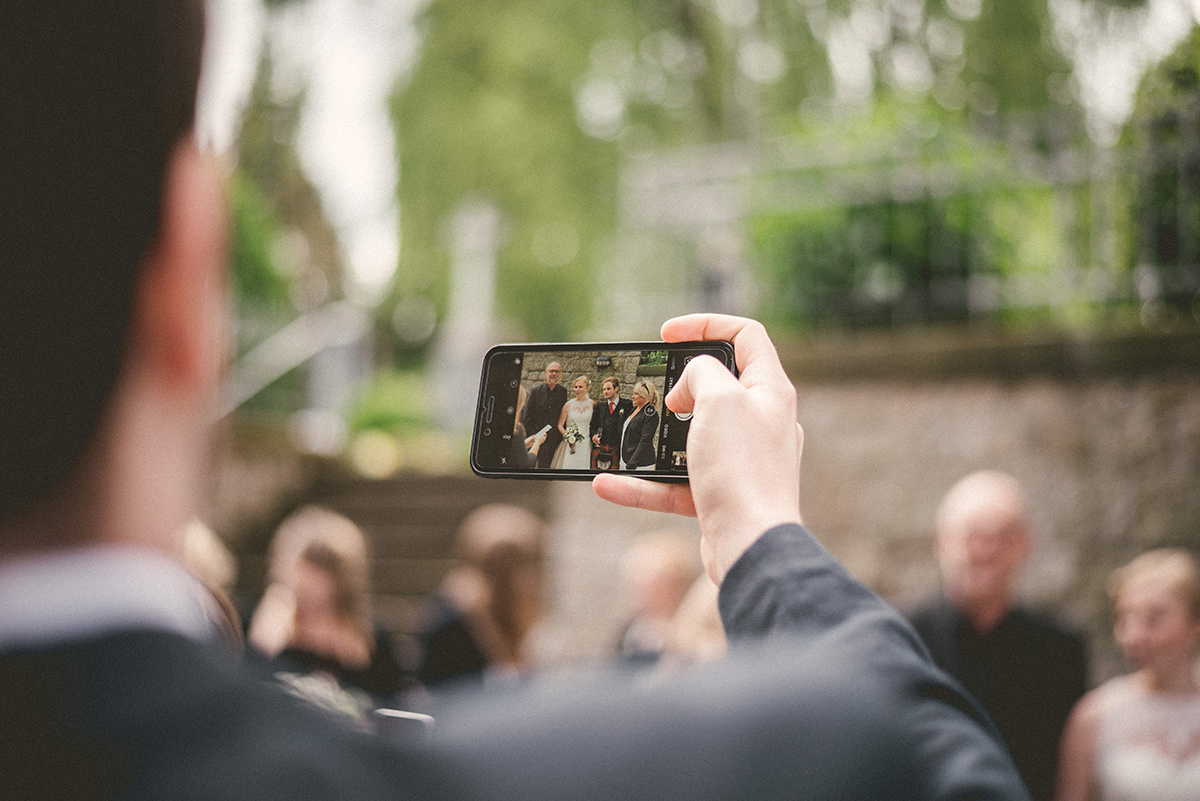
{"x": 543, "y": 407}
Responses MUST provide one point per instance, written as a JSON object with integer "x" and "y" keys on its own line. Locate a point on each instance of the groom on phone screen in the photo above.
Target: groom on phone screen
{"x": 607, "y": 422}
{"x": 542, "y": 409}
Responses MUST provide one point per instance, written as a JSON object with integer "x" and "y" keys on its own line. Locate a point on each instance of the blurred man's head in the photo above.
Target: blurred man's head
{"x": 98, "y": 97}
{"x": 981, "y": 541}
{"x": 553, "y": 373}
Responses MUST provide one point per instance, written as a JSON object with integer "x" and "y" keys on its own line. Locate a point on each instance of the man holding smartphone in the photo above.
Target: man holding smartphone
{"x": 112, "y": 680}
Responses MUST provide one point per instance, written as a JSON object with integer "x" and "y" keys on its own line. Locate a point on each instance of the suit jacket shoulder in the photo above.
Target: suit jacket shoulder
{"x": 144, "y": 715}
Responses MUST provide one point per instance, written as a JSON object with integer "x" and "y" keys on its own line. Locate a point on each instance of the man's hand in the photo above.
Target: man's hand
{"x": 743, "y": 444}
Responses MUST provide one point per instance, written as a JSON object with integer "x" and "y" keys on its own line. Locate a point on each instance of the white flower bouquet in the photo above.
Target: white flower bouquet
{"x": 572, "y": 436}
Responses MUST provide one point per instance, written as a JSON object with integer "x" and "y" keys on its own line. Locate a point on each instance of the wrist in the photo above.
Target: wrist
{"x": 730, "y": 540}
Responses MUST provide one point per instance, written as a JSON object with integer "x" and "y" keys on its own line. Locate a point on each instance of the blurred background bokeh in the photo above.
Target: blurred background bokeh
{"x": 971, "y": 226}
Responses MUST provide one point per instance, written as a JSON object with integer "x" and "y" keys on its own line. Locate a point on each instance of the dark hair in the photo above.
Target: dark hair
{"x": 96, "y": 95}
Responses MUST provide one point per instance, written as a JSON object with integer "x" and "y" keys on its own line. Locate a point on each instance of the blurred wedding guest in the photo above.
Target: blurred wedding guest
{"x": 656, "y": 572}
{"x": 637, "y": 438}
{"x": 523, "y": 450}
{"x": 574, "y": 423}
{"x": 1137, "y": 737}
{"x": 696, "y": 634}
{"x": 542, "y": 409}
{"x": 477, "y": 626}
{"x": 315, "y": 616}
{"x": 1025, "y": 668}
{"x": 211, "y": 560}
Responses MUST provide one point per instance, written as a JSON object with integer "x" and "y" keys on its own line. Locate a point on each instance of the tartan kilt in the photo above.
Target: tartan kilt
{"x": 604, "y": 457}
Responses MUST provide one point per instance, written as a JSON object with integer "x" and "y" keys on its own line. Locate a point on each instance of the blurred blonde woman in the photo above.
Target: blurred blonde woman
{"x": 315, "y": 615}
{"x": 1137, "y": 737}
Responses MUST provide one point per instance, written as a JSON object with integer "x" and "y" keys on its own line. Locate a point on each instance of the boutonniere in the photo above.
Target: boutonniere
{"x": 621, "y": 411}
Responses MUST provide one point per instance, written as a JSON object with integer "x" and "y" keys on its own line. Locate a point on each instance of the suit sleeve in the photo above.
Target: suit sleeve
{"x": 527, "y": 413}
{"x": 594, "y": 425}
{"x": 787, "y": 586}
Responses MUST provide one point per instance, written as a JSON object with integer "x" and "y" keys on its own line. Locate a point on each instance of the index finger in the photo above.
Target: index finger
{"x": 757, "y": 360}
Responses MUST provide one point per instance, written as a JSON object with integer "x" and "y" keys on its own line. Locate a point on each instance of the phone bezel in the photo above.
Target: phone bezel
{"x": 725, "y": 349}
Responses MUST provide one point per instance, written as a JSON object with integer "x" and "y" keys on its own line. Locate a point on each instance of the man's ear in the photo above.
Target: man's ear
{"x": 180, "y": 307}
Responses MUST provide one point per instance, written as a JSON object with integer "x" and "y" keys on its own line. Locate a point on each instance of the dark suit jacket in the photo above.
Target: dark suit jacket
{"x": 608, "y": 426}
{"x": 542, "y": 408}
{"x": 637, "y": 444}
{"x": 842, "y": 703}
{"x": 1028, "y": 673}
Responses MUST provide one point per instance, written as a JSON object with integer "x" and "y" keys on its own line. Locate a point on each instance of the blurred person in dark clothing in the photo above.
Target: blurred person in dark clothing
{"x": 112, "y": 681}
{"x": 479, "y": 622}
{"x": 1027, "y": 669}
{"x": 315, "y": 616}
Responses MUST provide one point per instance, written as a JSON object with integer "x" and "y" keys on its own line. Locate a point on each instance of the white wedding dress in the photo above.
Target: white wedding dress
{"x": 579, "y": 413}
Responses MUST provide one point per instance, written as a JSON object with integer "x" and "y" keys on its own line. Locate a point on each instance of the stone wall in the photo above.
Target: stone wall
{"x": 624, "y": 367}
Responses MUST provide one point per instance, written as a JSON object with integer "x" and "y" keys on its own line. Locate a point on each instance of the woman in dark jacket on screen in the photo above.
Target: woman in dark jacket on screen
{"x": 637, "y": 441}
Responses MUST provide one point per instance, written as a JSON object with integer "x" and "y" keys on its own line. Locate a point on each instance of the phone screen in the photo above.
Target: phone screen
{"x": 571, "y": 411}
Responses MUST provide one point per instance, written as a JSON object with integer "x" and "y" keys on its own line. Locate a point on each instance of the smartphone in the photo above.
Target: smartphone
{"x": 570, "y": 411}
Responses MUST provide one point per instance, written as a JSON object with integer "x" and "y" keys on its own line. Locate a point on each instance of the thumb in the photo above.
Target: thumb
{"x": 702, "y": 374}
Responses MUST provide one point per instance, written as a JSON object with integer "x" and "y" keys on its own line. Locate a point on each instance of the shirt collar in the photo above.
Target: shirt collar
{"x": 64, "y": 596}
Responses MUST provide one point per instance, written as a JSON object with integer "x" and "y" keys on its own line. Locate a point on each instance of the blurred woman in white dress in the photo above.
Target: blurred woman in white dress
{"x": 575, "y": 450}
{"x": 1137, "y": 737}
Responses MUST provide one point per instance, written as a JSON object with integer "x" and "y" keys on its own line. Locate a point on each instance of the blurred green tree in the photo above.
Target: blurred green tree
{"x": 1163, "y": 136}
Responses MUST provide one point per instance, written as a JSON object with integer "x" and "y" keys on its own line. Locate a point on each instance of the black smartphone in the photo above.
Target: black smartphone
{"x": 569, "y": 411}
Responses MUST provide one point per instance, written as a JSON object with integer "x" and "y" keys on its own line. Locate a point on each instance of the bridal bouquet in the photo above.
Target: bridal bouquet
{"x": 572, "y": 437}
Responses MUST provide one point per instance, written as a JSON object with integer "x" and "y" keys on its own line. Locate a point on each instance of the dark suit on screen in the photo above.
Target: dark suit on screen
{"x": 637, "y": 443}
{"x": 608, "y": 424}
{"x": 841, "y": 703}
{"x": 542, "y": 408}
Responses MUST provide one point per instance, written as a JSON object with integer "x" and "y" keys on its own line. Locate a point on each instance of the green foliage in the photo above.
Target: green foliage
{"x": 1009, "y": 55}
{"x": 493, "y": 110}
{"x": 489, "y": 112}
{"x": 1164, "y": 137}
{"x": 393, "y": 401}
{"x": 652, "y": 357}
{"x": 913, "y": 218}
{"x": 255, "y": 280}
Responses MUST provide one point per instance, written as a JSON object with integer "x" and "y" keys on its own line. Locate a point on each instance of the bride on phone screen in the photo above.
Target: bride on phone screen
{"x": 575, "y": 450}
